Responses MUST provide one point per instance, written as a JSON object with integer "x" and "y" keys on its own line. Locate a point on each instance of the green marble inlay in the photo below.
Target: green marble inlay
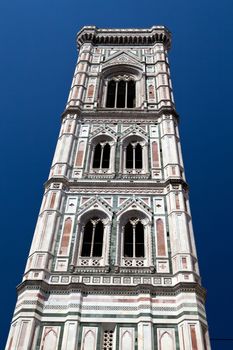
{"x": 175, "y": 327}
{"x": 50, "y": 324}
{"x": 120, "y": 316}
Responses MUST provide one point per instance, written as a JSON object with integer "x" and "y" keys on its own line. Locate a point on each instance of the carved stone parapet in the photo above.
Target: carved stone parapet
{"x": 94, "y": 35}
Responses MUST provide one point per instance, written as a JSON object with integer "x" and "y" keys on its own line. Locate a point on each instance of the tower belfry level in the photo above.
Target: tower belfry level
{"x": 113, "y": 263}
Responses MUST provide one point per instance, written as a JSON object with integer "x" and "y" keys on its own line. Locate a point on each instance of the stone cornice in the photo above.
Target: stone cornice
{"x": 116, "y": 184}
{"x": 110, "y": 36}
{"x": 127, "y": 114}
{"x": 182, "y": 287}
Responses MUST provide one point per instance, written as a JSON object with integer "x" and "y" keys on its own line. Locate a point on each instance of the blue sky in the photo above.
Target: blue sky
{"x": 38, "y": 55}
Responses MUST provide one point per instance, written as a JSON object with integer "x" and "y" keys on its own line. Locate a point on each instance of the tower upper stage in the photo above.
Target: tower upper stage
{"x": 110, "y": 36}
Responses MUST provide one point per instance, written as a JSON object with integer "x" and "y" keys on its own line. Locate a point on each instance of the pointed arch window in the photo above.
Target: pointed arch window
{"x": 101, "y": 156}
{"x": 121, "y": 94}
{"x": 134, "y": 239}
{"x": 92, "y": 244}
{"x": 134, "y": 155}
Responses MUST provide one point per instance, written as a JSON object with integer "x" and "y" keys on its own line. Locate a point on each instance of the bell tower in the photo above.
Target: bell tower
{"x": 113, "y": 263}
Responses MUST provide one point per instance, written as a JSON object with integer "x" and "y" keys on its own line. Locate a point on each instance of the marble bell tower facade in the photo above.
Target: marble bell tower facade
{"x": 113, "y": 264}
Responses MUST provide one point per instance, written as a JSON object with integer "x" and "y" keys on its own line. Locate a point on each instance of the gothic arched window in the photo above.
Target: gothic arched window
{"x": 134, "y": 155}
{"x": 121, "y": 94}
{"x": 101, "y": 156}
{"x": 92, "y": 244}
{"x": 133, "y": 239}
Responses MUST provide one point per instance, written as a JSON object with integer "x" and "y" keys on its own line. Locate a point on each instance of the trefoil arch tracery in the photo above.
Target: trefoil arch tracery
{"x": 101, "y": 154}
{"x": 134, "y": 243}
{"x": 91, "y": 247}
{"x": 121, "y": 92}
{"x": 134, "y": 155}
{"x": 121, "y": 87}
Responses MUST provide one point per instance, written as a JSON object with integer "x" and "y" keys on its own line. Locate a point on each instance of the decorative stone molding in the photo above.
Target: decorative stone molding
{"x": 123, "y": 59}
{"x": 112, "y": 116}
{"x": 59, "y": 288}
{"x": 96, "y": 36}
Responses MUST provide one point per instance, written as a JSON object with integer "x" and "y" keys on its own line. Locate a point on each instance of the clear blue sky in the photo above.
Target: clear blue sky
{"x": 38, "y": 55}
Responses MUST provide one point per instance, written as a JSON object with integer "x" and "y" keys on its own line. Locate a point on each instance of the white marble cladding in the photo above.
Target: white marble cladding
{"x": 168, "y": 210}
{"x": 159, "y": 139}
{"x": 147, "y": 65}
{"x": 57, "y": 304}
{"x": 98, "y": 294}
{"x": 123, "y": 280}
{"x": 140, "y": 318}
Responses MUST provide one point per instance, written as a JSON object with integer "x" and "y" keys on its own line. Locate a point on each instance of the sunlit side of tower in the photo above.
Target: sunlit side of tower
{"x": 113, "y": 263}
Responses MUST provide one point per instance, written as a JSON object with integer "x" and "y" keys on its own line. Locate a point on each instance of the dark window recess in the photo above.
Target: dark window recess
{"x": 131, "y": 94}
{"x": 106, "y": 156}
{"x": 138, "y": 156}
{"x": 93, "y": 239}
{"x": 97, "y": 156}
{"x": 98, "y": 239}
{"x": 139, "y": 240}
{"x": 128, "y": 240}
{"x": 121, "y": 94}
{"x": 133, "y": 156}
{"x": 101, "y": 156}
{"x": 129, "y": 156}
{"x": 111, "y": 94}
{"x": 87, "y": 239}
{"x": 134, "y": 240}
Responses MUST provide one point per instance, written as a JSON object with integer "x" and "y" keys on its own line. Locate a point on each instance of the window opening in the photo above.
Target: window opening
{"x": 128, "y": 240}
{"x": 111, "y": 94}
{"x": 139, "y": 240}
{"x": 97, "y": 156}
{"x": 98, "y": 239}
{"x": 138, "y": 156}
{"x": 134, "y": 239}
{"x": 87, "y": 239}
{"x": 129, "y": 156}
{"x": 121, "y": 94}
{"x": 134, "y": 156}
{"x": 93, "y": 238}
{"x": 131, "y": 94}
{"x": 106, "y": 156}
{"x": 101, "y": 156}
